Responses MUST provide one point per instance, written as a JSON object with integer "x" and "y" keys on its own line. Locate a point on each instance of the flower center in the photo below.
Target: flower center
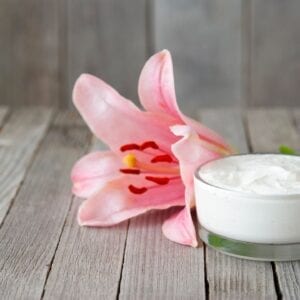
{"x": 131, "y": 162}
{"x": 134, "y": 166}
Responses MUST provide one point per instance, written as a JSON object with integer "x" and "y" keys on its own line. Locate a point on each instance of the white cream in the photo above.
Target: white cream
{"x": 252, "y": 198}
{"x": 267, "y": 174}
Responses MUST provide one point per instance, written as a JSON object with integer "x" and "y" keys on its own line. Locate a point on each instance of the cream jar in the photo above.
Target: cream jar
{"x": 248, "y": 205}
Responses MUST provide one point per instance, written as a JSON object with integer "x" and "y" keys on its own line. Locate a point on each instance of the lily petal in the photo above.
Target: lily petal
{"x": 190, "y": 152}
{"x": 157, "y": 94}
{"x": 114, "y": 203}
{"x": 180, "y": 228}
{"x": 114, "y": 119}
{"x": 156, "y": 85}
{"x": 92, "y": 172}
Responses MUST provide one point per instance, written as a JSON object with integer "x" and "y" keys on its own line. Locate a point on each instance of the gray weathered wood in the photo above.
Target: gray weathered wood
{"x": 88, "y": 261}
{"x": 19, "y": 139}
{"x": 32, "y": 228}
{"x": 205, "y": 40}
{"x": 107, "y": 39}
{"x": 3, "y": 114}
{"x": 29, "y": 58}
{"x": 275, "y": 57}
{"x": 156, "y": 268}
{"x": 229, "y": 123}
{"x": 288, "y": 274}
{"x": 296, "y": 115}
{"x": 228, "y": 277}
{"x": 272, "y": 128}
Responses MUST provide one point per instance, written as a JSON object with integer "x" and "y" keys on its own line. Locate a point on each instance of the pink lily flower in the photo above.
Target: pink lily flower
{"x": 153, "y": 153}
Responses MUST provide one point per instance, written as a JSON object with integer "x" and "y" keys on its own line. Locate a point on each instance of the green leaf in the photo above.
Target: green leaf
{"x": 283, "y": 149}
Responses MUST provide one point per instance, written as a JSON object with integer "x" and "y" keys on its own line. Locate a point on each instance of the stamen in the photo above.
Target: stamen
{"x": 130, "y": 171}
{"x": 149, "y": 144}
{"x": 213, "y": 145}
{"x": 157, "y": 169}
{"x": 162, "y": 158}
{"x": 129, "y": 160}
{"x": 129, "y": 147}
{"x": 135, "y": 190}
{"x": 158, "y": 180}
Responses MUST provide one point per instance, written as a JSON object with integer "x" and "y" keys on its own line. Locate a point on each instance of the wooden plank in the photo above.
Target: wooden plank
{"x": 228, "y": 277}
{"x": 69, "y": 118}
{"x": 229, "y": 123}
{"x": 107, "y": 39}
{"x": 3, "y": 114}
{"x": 204, "y": 37}
{"x": 274, "y": 51}
{"x": 156, "y": 268}
{"x": 29, "y": 52}
{"x": 276, "y": 126}
{"x": 288, "y": 275}
{"x": 32, "y": 229}
{"x": 19, "y": 140}
{"x": 88, "y": 261}
{"x": 268, "y": 129}
{"x": 296, "y": 115}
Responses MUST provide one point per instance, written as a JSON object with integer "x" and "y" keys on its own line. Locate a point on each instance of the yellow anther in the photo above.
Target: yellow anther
{"x": 129, "y": 160}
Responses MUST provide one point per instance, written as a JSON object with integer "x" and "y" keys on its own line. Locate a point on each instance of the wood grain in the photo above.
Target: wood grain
{"x": 19, "y": 139}
{"x": 204, "y": 37}
{"x": 229, "y": 123}
{"x": 32, "y": 229}
{"x": 156, "y": 268}
{"x": 276, "y": 126}
{"x": 296, "y": 115}
{"x": 29, "y": 52}
{"x": 270, "y": 128}
{"x": 275, "y": 59}
{"x": 88, "y": 261}
{"x": 3, "y": 113}
{"x": 228, "y": 277}
{"x": 107, "y": 39}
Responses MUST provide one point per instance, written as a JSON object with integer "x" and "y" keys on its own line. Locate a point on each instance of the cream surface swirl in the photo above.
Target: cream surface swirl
{"x": 262, "y": 174}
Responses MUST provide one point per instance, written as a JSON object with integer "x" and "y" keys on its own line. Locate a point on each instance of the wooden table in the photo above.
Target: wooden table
{"x": 45, "y": 254}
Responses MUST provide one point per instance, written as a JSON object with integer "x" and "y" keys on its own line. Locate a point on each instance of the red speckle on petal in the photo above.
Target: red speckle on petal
{"x": 158, "y": 180}
{"x": 130, "y": 171}
{"x": 135, "y": 190}
{"x": 149, "y": 144}
{"x": 129, "y": 147}
{"x": 162, "y": 158}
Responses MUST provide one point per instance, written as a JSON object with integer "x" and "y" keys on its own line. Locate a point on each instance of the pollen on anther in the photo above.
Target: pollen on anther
{"x": 149, "y": 144}
{"x": 136, "y": 190}
{"x": 129, "y": 147}
{"x": 158, "y": 180}
{"x": 162, "y": 158}
{"x": 130, "y": 171}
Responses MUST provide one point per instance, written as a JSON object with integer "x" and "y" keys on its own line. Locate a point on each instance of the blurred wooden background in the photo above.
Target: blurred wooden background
{"x": 226, "y": 53}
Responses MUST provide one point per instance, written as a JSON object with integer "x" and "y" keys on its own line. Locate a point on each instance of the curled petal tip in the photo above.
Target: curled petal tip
{"x": 79, "y": 84}
{"x": 81, "y": 79}
{"x": 80, "y": 223}
{"x": 194, "y": 244}
{"x": 83, "y": 76}
{"x": 165, "y": 52}
{"x": 80, "y": 219}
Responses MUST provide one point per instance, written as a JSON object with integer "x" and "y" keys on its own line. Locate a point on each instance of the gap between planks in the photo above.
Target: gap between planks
{"x": 88, "y": 261}
{"x": 31, "y": 230}
{"x": 19, "y": 141}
